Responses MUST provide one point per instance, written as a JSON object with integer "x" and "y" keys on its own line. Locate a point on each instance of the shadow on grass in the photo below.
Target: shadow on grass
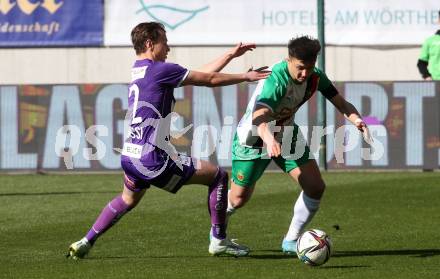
{"x": 420, "y": 253}
{"x": 342, "y": 266}
{"x": 55, "y": 193}
{"x": 270, "y": 256}
{"x": 95, "y": 258}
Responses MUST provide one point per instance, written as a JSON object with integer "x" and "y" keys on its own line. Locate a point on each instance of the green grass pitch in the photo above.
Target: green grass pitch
{"x": 389, "y": 228}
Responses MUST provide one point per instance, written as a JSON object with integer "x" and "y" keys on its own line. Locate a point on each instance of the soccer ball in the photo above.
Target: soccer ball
{"x": 314, "y": 247}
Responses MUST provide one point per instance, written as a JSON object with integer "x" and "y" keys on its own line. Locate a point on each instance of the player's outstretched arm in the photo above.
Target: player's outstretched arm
{"x": 219, "y": 63}
{"x": 352, "y": 115}
{"x": 219, "y": 79}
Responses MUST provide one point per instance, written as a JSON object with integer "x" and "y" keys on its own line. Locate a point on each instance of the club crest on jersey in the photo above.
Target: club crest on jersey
{"x": 240, "y": 176}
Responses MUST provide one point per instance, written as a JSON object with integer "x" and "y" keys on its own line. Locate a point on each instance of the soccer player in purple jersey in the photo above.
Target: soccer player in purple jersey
{"x": 148, "y": 158}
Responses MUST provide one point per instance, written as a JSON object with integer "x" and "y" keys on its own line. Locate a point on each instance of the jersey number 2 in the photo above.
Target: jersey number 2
{"x": 135, "y": 90}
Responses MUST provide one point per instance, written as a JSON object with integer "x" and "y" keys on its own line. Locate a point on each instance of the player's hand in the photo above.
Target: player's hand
{"x": 241, "y": 49}
{"x": 273, "y": 148}
{"x": 257, "y": 74}
{"x": 362, "y": 127}
{"x": 428, "y": 78}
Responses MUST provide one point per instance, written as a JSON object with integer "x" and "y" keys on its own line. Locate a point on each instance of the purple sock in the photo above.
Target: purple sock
{"x": 111, "y": 213}
{"x": 217, "y": 204}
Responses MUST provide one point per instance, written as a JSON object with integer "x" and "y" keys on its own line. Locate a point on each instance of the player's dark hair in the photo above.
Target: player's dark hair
{"x": 304, "y": 48}
{"x": 145, "y": 31}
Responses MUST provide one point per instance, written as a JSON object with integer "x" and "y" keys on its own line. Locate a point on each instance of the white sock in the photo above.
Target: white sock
{"x": 303, "y": 212}
{"x": 230, "y": 210}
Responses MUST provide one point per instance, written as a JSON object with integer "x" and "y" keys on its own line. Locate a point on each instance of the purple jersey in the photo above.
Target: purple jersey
{"x": 150, "y": 102}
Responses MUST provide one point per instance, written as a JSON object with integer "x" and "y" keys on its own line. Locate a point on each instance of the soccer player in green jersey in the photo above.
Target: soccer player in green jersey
{"x": 429, "y": 59}
{"x": 293, "y": 81}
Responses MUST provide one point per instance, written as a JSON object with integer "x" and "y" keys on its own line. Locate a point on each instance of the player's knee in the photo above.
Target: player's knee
{"x": 320, "y": 188}
{"x": 316, "y": 190}
{"x": 238, "y": 200}
{"x": 133, "y": 204}
{"x": 132, "y": 200}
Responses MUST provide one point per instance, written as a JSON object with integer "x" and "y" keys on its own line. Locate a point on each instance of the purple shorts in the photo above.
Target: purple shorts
{"x": 168, "y": 177}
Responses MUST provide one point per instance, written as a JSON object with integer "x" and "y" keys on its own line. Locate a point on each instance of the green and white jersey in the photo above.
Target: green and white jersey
{"x": 283, "y": 96}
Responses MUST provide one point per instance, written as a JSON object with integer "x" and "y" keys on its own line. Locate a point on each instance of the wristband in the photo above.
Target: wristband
{"x": 357, "y": 121}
